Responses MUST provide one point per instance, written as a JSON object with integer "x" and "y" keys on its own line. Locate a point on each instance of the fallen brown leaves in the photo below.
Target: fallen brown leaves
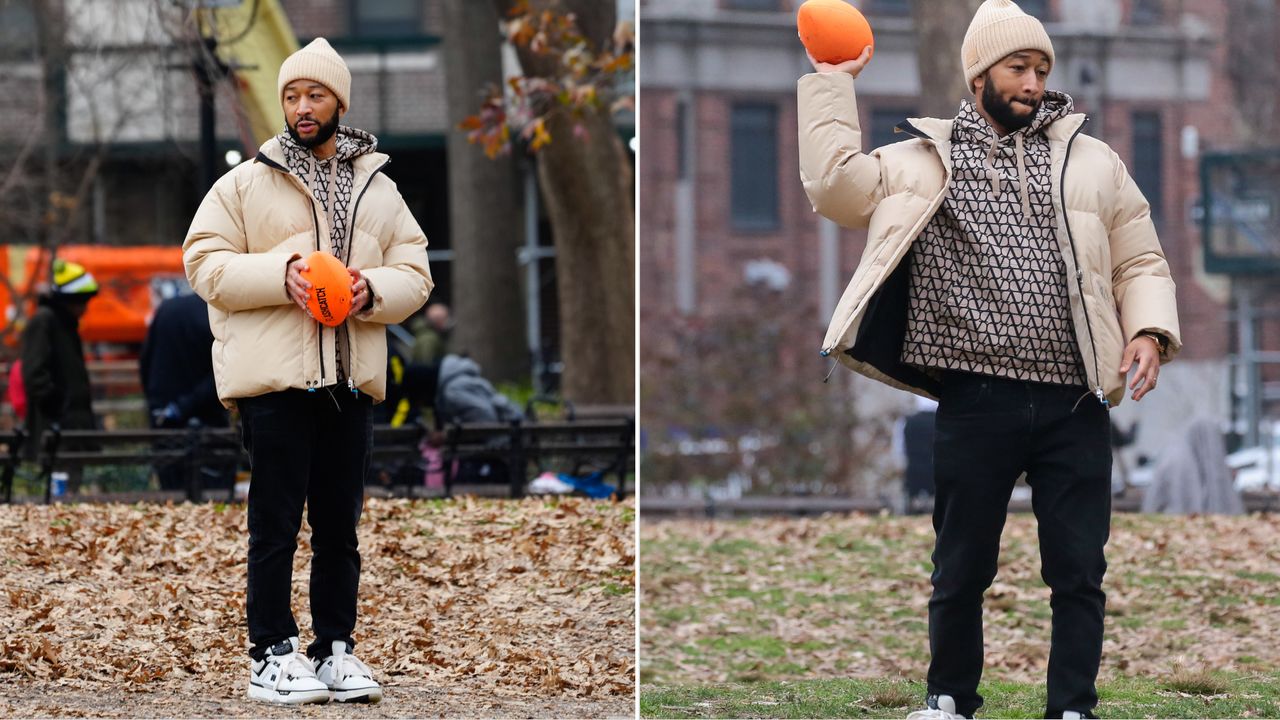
{"x": 528, "y": 600}
{"x": 845, "y": 596}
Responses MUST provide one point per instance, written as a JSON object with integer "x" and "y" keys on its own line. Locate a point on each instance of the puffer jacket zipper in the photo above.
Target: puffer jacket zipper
{"x": 902, "y": 127}
{"x": 1071, "y": 242}
{"x": 315, "y": 219}
{"x": 351, "y": 241}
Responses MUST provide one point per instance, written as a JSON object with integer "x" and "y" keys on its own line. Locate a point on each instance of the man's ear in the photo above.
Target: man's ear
{"x": 978, "y": 84}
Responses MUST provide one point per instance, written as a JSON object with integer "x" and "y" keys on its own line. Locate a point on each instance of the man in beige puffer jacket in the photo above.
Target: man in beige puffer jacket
{"x": 1012, "y": 272}
{"x": 304, "y": 390}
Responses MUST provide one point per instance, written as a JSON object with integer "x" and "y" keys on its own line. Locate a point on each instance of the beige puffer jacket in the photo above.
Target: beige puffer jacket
{"x": 1118, "y": 280}
{"x": 253, "y": 221}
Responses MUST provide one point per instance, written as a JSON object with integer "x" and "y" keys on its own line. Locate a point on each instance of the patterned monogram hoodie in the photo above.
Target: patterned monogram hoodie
{"x": 988, "y": 290}
{"x": 332, "y": 181}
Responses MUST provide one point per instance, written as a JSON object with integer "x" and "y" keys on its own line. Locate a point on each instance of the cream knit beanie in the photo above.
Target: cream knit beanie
{"x": 999, "y": 28}
{"x": 320, "y": 62}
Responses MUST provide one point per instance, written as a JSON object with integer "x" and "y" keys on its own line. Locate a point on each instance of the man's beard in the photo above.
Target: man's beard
{"x": 323, "y": 133}
{"x": 1002, "y": 112}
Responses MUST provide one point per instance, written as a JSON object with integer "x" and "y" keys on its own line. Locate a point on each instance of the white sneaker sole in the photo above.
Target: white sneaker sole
{"x": 362, "y": 695}
{"x": 297, "y": 697}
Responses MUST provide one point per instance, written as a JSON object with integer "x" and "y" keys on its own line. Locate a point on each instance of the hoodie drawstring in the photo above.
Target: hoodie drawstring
{"x": 1021, "y": 156}
{"x": 1024, "y": 193}
{"x": 992, "y": 172}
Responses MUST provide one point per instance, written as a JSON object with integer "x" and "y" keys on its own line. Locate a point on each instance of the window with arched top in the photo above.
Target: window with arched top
{"x": 1148, "y": 158}
{"x": 753, "y": 166}
{"x": 386, "y": 18}
{"x": 1038, "y": 8}
{"x": 17, "y": 30}
{"x": 1146, "y": 12}
{"x": 888, "y": 7}
{"x": 753, "y": 4}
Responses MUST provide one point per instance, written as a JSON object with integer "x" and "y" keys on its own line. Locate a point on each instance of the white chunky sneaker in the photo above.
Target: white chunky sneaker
{"x": 940, "y": 707}
{"x": 286, "y": 676}
{"x": 1072, "y": 715}
{"x": 346, "y": 677}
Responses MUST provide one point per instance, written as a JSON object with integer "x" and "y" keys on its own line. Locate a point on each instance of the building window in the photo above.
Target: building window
{"x": 1146, "y": 12}
{"x": 683, "y": 161}
{"x": 17, "y": 30}
{"x": 752, "y": 4}
{"x": 1037, "y": 8}
{"x": 754, "y": 166}
{"x": 890, "y": 7}
{"x": 386, "y": 18}
{"x": 883, "y": 120}
{"x": 1148, "y": 166}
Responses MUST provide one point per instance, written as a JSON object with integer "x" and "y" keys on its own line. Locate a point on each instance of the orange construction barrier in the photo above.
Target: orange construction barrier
{"x": 126, "y": 278}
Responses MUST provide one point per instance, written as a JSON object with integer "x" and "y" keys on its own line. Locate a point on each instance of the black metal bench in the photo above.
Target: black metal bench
{"x": 14, "y": 441}
{"x": 608, "y": 442}
{"x": 193, "y": 448}
{"x": 517, "y": 444}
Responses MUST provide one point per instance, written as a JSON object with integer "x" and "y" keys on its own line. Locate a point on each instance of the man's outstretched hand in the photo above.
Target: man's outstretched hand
{"x": 853, "y": 67}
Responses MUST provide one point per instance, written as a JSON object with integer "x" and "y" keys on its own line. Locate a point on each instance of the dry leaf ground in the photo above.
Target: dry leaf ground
{"x": 846, "y": 597}
{"x": 468, "y": 608}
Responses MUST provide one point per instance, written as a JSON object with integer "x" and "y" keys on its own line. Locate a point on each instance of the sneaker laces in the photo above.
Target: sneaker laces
{"x": 343, "y": 659}
{"x": 350, "y": 660}
{"x": 288, "y": 663}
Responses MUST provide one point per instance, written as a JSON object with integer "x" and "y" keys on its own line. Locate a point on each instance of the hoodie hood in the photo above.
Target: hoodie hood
{"x": 452, "y": 366}
{"x": 352, "y": 143}
{"x": 971, "y": 127}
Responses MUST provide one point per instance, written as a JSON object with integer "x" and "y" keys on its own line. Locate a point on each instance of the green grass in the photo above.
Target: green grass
{"x": 786, "y": 610}
{"x": 1184, "y": 694}
{"x": 616, "y": 589}
{"x": 28, "y": 482}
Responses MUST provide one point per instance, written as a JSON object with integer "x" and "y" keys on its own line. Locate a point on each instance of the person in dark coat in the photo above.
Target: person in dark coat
{"x": 177, "y": 377}
{"x": 177, "y": 366}
{"x": 918, "y": 431}
{"x": 54, "y": 373}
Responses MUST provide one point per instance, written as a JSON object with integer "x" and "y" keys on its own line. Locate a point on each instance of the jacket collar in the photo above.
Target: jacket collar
{"x": 59, "y": 309}
{"x": 938, "y": 130}
{"x": 365, "y": 165}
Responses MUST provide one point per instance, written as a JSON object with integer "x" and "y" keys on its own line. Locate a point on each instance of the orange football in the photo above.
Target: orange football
{"x": 833, "y": 30}
{"x": 329, "y": 298}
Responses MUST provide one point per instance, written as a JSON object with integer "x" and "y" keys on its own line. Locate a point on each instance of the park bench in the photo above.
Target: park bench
{"x": 566, "y": 445}
{"x": 13, "y": 440}
{"x": 609, "y": 442}
{"x": 194, "y": 449}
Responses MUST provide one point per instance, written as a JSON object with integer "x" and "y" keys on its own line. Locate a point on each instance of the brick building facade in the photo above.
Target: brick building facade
{"x": 722, "y": 205}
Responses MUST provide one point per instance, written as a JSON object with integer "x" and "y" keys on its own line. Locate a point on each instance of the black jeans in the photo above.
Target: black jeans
{"x": 989, "y": 431}
{"x": 310, "y": 447}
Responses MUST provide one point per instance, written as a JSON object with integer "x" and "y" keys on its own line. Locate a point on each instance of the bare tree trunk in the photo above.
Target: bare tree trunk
{"x": 485, "y": 201}
{"x": 940, "y": 28}
{"x": 588, "y": 190}
{"x": 587, "y": 184}
{"x": 51, "y": 46}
